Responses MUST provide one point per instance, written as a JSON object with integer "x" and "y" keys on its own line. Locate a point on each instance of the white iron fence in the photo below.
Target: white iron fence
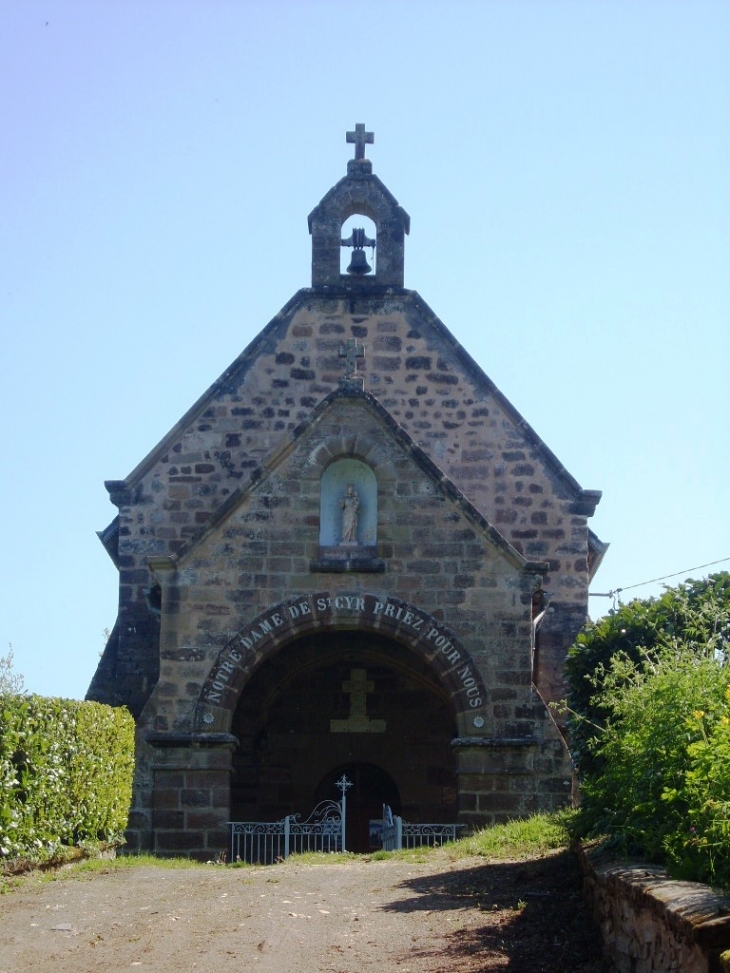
{"x": 265, "y": 842}
{"x": 398, "y": 834}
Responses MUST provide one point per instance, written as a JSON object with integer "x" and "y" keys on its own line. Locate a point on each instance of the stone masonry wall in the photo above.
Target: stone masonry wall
{"x": 653, "y": 924}
{"x": 439, "y": 557}
{"x": 190, "y": 802}
{"x": 435, "y": 558}
{"x": 427, "y": 383}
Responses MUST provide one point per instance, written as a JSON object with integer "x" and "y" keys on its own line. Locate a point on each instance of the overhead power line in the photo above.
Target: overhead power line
{"x": 617, "y": 591}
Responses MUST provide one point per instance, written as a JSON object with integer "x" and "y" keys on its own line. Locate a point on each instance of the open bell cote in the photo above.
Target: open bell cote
{"x": 361, "y": 193}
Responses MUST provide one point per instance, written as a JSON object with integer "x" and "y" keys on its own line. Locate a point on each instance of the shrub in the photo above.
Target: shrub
{"x": 659, "y": 793}
{"x": 650, "y": 723}
{"x": 695, "y": 614}
{"x": 703, "y": 851}
{"x": 65, "y": 774}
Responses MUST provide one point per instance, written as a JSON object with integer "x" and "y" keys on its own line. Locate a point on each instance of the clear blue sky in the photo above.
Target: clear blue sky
{"x": 567, "y": 169}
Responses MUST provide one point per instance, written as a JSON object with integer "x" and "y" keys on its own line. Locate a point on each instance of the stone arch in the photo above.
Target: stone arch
{"x": 351, "y": 445}
{"x": 334, "y": 697}
{"x": 274, "y": 628}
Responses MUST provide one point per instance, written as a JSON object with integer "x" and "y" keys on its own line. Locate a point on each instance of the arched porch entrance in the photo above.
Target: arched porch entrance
{"x": 357, "y": 702}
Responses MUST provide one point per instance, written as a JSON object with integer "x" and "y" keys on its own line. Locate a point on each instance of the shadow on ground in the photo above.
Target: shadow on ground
{"x": 534, "y": 918}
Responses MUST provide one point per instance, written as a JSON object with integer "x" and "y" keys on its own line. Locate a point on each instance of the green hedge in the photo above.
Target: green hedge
{"x": 65, "y": 775}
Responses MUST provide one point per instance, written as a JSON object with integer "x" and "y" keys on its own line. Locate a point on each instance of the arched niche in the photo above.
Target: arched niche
{"x": 335, "y": 486}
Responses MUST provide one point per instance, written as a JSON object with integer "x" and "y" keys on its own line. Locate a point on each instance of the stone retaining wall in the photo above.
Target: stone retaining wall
{"x": 651, "y": 923}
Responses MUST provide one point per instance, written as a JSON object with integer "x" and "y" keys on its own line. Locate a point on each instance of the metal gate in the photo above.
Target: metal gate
{"x": 266, "y": 842}
{"x": 398, "y": 834}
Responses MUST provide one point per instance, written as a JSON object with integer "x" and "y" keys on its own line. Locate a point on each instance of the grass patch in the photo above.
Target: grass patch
{"x": 89, "y": 867}
{"x": 524, "y": 838}
{"x": 324, "y": 858}
{"x": 122, "y": 862}
{"x": 408, "y": 854}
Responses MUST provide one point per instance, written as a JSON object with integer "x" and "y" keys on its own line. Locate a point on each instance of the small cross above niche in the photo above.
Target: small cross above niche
{"x": 351, "y": 351}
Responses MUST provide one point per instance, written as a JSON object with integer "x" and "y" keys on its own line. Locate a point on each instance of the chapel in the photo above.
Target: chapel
{"x": 352, "y": 555}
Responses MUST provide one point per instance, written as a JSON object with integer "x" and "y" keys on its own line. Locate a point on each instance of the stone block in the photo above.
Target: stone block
{"x": 178, "y": 841}
{"x": 497, "y": 801}
{"x": 169, "y": 820}
{"x": 139, "y": 820}
{"x": 205, "y": 778}
{"x": 218, "y": 841}
{"x": 195, "y": 797}
{"x": 166, "y": 799}
{"x": 207, "y": 820}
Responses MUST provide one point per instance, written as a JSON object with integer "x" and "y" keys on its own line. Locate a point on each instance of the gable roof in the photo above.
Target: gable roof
{"x": 265, "y": 341}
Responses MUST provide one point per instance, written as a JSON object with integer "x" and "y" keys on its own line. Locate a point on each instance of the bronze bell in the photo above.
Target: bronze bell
{"x": 358, "y": 239}
{"x": 359, "y": 264}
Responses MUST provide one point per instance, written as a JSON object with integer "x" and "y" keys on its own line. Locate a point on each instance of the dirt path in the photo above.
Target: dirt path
{"x": 359, "y": 917}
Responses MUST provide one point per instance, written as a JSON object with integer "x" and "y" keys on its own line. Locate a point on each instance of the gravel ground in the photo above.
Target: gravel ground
{"x": 360, "y": 916}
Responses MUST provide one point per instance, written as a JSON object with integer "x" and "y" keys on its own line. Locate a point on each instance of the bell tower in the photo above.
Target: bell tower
{"x": 358, "y": 193}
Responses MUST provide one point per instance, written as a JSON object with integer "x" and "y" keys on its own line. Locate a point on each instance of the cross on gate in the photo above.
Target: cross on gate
{"x": 360, "y": 137}
{"x": 351, "y": 350}
{"x": 358, "y": 686}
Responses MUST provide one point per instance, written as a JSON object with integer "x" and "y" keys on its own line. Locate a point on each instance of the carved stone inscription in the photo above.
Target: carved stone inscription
{"x": 421, "y": 630}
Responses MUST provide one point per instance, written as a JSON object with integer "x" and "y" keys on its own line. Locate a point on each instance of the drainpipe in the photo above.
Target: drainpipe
{"x": 536, "y": 623}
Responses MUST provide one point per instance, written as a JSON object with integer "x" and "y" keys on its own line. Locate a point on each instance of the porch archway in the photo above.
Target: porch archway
{"x": 339, "y": 699}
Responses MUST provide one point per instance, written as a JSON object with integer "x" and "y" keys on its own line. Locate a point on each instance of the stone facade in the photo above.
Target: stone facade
{"x": 241, "y": 615}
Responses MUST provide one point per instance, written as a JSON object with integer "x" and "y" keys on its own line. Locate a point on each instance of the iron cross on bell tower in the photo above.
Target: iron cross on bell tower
{"x": 360, "y": 137}
{"x": 358, "y": 239}
{"x": 334, "y": 217}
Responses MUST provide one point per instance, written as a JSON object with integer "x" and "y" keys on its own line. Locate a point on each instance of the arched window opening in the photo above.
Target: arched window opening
{"x": 358, "y": 246}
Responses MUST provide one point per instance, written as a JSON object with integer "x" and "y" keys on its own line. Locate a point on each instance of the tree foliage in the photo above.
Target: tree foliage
{"x": 695, "y": 614}
{"x": 650, "y": 700}
{"x": 11, "y": 682}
